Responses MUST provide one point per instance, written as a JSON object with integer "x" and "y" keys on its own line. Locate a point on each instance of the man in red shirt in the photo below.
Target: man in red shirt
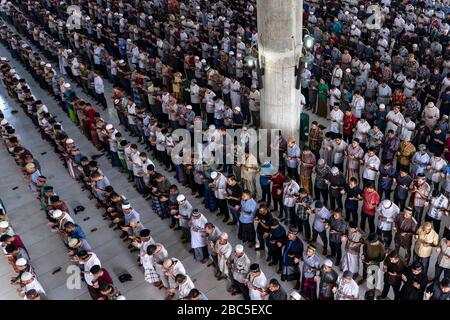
{"x": 371, "y": 199}
{"x": 349, "y": 125}
{"x": 100, "y": 276}
{"x": 15, "y": 239}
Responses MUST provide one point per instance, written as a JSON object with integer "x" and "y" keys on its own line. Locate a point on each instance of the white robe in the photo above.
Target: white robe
{"x": 178, "y": 268}
{"x": 256, "y": 285}
{"x": 337, "y": 118}
{"x": 198, "y": 235}
{"x": 223, "y": 254}
{"x": 347, "y": 290}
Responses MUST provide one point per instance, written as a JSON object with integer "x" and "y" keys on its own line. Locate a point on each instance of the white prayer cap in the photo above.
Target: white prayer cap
{"x": 128, "y": 40}
{"x": 24, "y": 46}
{"x": 57, "y": 213}
{"x": 181, "y": 197}
{"x": 328, "y": 263}
{"x": 239, "y": 55}
{"x": 334, "y": 170}
{"x": 348, "y": 70}
{"x": 382, "y": 106}
{"x": 48, "y": 65}
{"x": 214, "y": 174}
{"x": 231, "y": 53}
{"x": 253, "y": 86}
{"x": 295, "y": 295}
{"x": 212, "y": 127}
{"x": 4, "y": 122}
{"x": 68, "y": 141}
{"x": 214, "y": 47}
{"x": 197, "y": 58}
{"x": 237, "y": 109}
{"x": 3, "y": 59}
{"x": 12, "y": 71}
{"x": 121, "y": 297}
{"x": 72, "y": 242}
{"x": 126, "y": 206}
{"x": 109, "y": 126}
{"x": 239, "y": 248}
{"x": 203, "y": 61}
{"x": 99, "y": 25}
{"x": 224, "y": 236}
{"x": 353, "y": 26}
{"x": 197, "y": 7}
{"x": 42, "y": 63}
{"x": 30, "y": 166}
{"x": 21, "y": 262}
{"x": 189, "y": 107}
{"x": 4, "y": 224}
{"x": 67, "y": 85}
{"x": 167, "y": 263}
{"x": 26, "y": 276}
{"x": 121, "y": 61}
{"x": 88, "y": 18}
{"x": 69, "y": 50}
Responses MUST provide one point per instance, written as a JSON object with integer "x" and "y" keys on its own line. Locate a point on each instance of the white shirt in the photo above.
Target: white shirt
{"x": 371, "y": 162}
{"x": 387, "y": 211}
{"x": 98, "y": 85}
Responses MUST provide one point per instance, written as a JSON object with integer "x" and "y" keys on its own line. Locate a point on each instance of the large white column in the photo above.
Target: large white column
{"x": 279, "y": 46}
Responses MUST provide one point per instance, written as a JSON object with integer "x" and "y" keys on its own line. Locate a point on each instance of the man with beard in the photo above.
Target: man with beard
{"x": 275, "y": 291}
{"x": 414, "y": 282}
{"x": 328, "y": 278}
{"x": 405, "y": 227}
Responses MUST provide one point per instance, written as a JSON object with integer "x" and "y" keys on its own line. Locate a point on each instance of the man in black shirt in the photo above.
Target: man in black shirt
{"x": 264, "y": 220}
{"x": 234, "y": 195}
{"x": 275, "y": 291}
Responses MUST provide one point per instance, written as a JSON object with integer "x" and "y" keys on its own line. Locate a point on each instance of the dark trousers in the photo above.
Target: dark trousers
{"x": 266, "y": 197}
{"x": 293, "y": 173}
{"x": 371, "y": 220}
{"x": 246, "y": 232}
{"x": 278, "y": 203}
{"x": 323, "y": 237}
{"x": 304, "y": 226}
{"x": 276, "y": 253}
{"x": 223, "y": 207}
{"x": 336, "y": 251}
{"x": 262, "y": 241}
{"x": 351, "y": 214}
{"x": 241, "y": 288}
{"x": 321, "y": 192}
{"x": 101, "y": 98}
{"x": 335, "y": 201}
{"x": 418, "y": 214}
{"x": 387, "y": 286}
{"x": 400, "y": 202}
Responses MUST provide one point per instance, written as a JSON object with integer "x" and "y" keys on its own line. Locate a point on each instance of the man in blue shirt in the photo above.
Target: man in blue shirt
{"x": 74, "y": 231}
{"x": 246, "y": 231}
{"x": 321, "y": 217}
{"x": 292, "y": 159}
{"x": 386, "y": 178}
